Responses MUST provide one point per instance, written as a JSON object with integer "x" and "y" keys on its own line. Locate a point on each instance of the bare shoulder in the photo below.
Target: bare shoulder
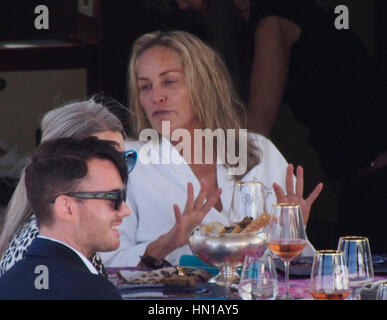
{"x": 274, "y": 24}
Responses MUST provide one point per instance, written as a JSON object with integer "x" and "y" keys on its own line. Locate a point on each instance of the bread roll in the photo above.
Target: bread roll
{"x": 215, "y": 227}
{"x": 237, "y": 229}
{"x": 257, "y": 223}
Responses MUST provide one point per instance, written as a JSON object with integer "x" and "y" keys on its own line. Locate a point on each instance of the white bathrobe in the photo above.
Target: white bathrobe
{"x": 154, "y": 188}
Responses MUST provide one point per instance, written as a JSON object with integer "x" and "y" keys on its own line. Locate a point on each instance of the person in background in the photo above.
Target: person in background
{"x": 9, "y": 175}
{"x": 76, "y": 189}
{"x": 175, "y": 79}
{"x": 79, "y": 120}
{"x": 297, "y": 56}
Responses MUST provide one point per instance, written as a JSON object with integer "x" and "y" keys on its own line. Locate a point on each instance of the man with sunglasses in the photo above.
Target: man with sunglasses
{"x": 77, "y": 191}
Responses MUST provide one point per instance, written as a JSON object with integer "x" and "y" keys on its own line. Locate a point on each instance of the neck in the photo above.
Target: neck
{"x": 64, "y": 237}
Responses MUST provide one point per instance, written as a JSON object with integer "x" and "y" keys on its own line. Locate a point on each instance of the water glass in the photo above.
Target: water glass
{"x": 258, "y": 279}
{"x": 357, "y": 256}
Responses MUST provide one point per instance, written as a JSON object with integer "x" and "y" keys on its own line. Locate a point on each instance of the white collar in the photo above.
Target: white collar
{"x": 184, "y": 173}
{"x": 83, "y": 258}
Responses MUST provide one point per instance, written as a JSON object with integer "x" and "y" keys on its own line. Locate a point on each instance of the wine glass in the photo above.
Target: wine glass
{"x": 357, "y": 256}
{"x": 329, "y": 276}
{"x": 248, "y": 200}
{"x": 286, "y": 236}
{"x": 258, "y": 279}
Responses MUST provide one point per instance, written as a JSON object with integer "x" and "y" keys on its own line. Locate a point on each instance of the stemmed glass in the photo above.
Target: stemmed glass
{"x": 286, "y": 236}
{"x": 248, "y": 201}
{"x": 357, "y": 256}
{"x": 329, "y": 276}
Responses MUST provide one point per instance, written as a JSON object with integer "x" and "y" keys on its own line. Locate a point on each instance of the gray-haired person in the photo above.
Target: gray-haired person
{"x": 79, "y": 120}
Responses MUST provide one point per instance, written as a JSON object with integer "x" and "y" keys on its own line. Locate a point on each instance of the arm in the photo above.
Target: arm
{"x": 273, "y": 170}
{"x": 295, "y": 195}
{"x": 133, "y": 245}
{"x": 194, "y": 213}
{"x": 274, "y": 37}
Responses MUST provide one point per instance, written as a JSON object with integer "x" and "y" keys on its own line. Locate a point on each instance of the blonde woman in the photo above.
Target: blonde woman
{"x": 179, "y": 86}
{"x": 78, "y": 120}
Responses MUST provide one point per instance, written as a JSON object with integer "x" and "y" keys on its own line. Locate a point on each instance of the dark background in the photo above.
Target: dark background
{"x": 116, "y": 23}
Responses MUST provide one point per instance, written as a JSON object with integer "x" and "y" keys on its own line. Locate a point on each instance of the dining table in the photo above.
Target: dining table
{"x": 300, "y": 270}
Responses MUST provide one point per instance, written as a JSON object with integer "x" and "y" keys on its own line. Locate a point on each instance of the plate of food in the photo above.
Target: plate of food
{"x": 174, "y": 276}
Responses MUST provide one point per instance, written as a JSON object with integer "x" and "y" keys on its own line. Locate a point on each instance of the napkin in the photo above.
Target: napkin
{"x": 194, "y": 262}
{"x": 369, "y": 291}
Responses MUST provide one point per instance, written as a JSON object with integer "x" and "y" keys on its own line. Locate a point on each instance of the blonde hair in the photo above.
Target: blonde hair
{"x": 79, "y": 120}
{"x": 212, "y": 93}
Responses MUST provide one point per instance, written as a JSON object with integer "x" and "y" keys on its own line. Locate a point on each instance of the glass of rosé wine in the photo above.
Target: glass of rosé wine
{"x": 329, "y": 276}
{"x": 286, "y": 236}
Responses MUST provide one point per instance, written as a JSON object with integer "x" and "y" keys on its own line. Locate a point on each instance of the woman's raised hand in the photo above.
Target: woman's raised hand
{"x": 194, "y": 212}
{"x": 296, "y": 196}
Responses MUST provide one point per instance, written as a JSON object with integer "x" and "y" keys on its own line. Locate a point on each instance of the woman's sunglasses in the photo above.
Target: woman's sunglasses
{"x": 130, "y": 158}
{"x": 118, "y": 196}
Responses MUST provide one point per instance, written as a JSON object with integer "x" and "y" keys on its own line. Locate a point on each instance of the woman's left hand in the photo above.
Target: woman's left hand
{"x": 194, "y": 212}
{"x": 296, "y": 196}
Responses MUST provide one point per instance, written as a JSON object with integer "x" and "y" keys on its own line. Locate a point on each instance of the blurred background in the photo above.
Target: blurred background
{"x": 85, "y": 51}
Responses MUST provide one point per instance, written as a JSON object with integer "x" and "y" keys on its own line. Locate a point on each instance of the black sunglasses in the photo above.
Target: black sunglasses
{"x": 130, "y": 158}
{"x": 118, "y": 196}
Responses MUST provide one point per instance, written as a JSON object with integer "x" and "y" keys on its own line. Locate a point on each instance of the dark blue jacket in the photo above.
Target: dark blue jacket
{"x": 51, "y": 270}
